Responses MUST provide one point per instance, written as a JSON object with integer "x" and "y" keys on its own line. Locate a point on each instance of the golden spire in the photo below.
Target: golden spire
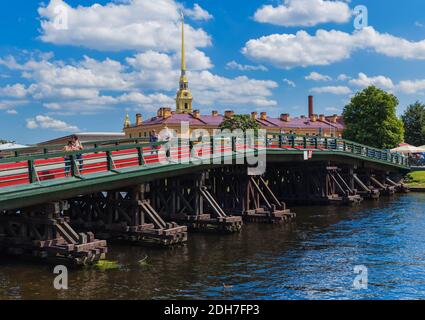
{"x": 184, "y": 97}
{"x": 183, "y": 62}
{"x": 127, "y": 122}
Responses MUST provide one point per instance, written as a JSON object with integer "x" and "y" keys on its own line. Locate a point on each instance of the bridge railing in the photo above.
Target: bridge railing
{"x": 290, "y": 141}
{"x": 35, "y": 168}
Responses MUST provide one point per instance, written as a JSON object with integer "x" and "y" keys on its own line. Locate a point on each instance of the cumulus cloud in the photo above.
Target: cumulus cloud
{"x": 411, "y": 86}
{"x": 304, "y": 13}
{"x": 197, "y": 13}
{"x": 233, "y": 65}
{"x": 133, "y": 25}
{"x": 337, "y": 90}
{"x": 364, "y": 81}
{"x": 144, "y": 81}
{"x": 46, "y": 122}
{"x": 15, "y": 91}
{"x": 327, "y": 47}
{"x": 11, "y": 111}
{"x": 315, "y": 76}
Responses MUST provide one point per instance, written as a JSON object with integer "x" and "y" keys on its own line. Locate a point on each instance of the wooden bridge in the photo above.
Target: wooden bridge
{"x": 52, "y": 203}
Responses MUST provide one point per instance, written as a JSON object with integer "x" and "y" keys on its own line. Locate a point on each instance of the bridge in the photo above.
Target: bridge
{"x": 52, "y": 202}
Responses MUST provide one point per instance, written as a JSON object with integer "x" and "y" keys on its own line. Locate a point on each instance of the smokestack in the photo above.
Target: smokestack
{"x": 254, "y": 115}
{"x": 139, "y": 119}
{"x": 310, "y": 106}
{"x": 263, "y": 115}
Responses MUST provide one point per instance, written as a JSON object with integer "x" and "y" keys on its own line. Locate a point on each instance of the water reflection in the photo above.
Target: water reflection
{"x": 310, "y": 259}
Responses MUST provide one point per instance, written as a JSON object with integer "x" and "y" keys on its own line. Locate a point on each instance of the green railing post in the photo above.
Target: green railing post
{"x": 140, "y": 156}
{"x": 316, "y": 143}
{"x": 305, "y": 142}
{"x": 109, "y": 162}
{"x": 74, "y": 167}
{"x": 325, "y": 144}
{"x": 32, "y": 173}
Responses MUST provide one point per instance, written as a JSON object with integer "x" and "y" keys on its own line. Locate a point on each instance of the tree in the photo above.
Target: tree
{"x": 370, "y": 118}
{"x": 241, "y": 121}
{"x": 414, "y": 124}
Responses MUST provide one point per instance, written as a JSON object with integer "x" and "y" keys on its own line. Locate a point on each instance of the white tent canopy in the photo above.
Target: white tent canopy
{"x": 10, "y": 146}
{"x": 408, "y": 149}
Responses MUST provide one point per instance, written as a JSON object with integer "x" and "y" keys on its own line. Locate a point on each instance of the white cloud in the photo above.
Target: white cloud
{"x": 343, "y": 77}
{"x": 244, "y": 67}
{"x": 289, "y": 83}
{"x": 11, "y": 111}
{"x": 364, "y": 81}
{"x": 327, "y": 47}
{"x": 14, "y": 91}
{"x": 197, "y": 13}
{"x": 134, "y": 25}
{"x": 315, "y": 76}
{"x": 337, "y": 90}
{"x": 46, "y": 122}
{"x": 411, "y": 86}
{"x": 304, "y": 13}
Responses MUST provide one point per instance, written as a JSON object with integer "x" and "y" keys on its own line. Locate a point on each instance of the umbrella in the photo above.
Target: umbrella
{"x": 407, "y": 149}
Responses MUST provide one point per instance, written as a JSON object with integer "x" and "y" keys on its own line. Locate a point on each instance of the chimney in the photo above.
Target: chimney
{"x": 322, "y": 118}
{"x": 196, "y": 114}
{"x": 139, "y": 119}
{"x": 313, "y": 117}
{"x": 228, "y": 113}
{"x": 254, "y": 115}
{"x": 285, "y": 117}
{"x": 310, "y": 106}
{"x": 263, "y": 115}
{"x": 334, "y": 118}
{"x": 164, "y": 112}
{"x": 214, "y": 113}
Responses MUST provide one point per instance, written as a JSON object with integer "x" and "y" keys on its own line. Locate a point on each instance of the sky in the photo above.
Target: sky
{"x": 81, "y": 65}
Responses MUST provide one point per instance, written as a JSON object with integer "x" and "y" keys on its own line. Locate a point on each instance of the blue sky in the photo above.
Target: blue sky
{"x": 83, "y": 72}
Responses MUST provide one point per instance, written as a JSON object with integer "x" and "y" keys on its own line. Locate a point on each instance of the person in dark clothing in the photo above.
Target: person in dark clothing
{"x": 153, "y": 138}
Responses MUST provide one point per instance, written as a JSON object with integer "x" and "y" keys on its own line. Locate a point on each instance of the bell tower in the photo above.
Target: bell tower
{"x": 184, "y": 96}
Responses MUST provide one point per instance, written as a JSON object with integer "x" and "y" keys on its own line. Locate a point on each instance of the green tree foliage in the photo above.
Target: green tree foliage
{"x": 240, "y": 121}
{"x": 370, "y": 118}
{"x": 414, "y": 124}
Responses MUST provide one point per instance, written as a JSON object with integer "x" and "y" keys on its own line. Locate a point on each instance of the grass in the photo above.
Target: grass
{"x": 104, "y": 265}
{"x": 416, "y": 179}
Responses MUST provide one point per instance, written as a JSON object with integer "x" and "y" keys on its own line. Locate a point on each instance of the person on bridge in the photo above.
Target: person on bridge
{"x": 153, "y": 138}
{"x": 167, "y": 135}
{"x": 67, "y": 159}
{"x": 77, "y": 145}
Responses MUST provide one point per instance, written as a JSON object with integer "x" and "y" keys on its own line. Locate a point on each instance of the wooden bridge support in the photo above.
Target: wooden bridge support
{"x": 188, "y": 200}
{"x": 311, "y": 184}
{"x": 248, "y": 196}
{"x": 42, "y": 232}
{"x": 125, "y": 215}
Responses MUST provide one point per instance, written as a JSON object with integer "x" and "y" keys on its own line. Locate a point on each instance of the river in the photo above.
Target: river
{"x": 313, "y": 258}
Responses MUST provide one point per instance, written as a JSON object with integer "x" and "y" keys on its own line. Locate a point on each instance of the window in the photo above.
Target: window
{"x": 145, "y": 134}
{"x": 140, "y": 134}
{"x": 185, "y": 106}
{"x": 130, "y": 136}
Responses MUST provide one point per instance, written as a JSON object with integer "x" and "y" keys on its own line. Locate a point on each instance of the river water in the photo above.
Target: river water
{"x": 313, "y": 258}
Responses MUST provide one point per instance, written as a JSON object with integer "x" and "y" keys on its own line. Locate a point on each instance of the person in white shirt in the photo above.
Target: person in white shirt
{"x": 167, "y": 135}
